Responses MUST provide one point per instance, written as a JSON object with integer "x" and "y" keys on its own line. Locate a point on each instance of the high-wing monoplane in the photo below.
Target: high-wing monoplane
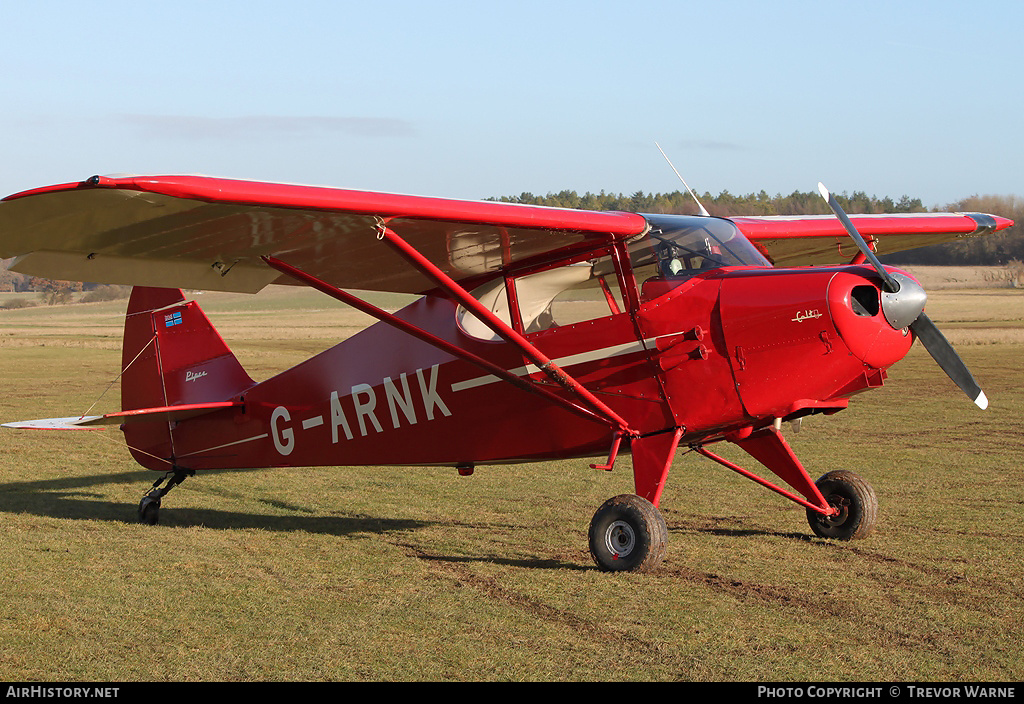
{"x": 714, "y": 330}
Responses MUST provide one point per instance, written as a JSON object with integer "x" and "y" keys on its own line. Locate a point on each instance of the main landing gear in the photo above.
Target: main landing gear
{"x": 628, "y": 532}
{"x": 149, "y": 507}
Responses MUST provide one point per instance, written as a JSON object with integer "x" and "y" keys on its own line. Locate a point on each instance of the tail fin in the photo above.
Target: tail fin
{"x": 172, "y": 355}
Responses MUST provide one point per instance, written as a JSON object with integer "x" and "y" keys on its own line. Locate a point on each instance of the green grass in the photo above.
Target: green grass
{"x": 419, "y": 574}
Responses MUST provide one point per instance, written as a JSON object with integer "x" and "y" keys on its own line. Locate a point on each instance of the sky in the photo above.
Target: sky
{"x": 482, "y": 99}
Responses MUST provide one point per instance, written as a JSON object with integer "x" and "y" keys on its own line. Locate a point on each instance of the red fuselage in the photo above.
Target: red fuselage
{"x": 713, "y": 354}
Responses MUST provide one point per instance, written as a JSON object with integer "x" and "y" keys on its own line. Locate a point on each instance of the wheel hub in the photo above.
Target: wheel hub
{"x": 620, "y": 538}
{"x": 842, "y": 506}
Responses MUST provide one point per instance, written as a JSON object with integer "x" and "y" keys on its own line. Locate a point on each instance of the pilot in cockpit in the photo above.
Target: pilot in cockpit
{"x": 676, "y": 260}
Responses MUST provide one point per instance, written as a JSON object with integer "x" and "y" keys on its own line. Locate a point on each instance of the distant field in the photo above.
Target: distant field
{"x": 959, "y": 277}
{"x": 419, "y": 574}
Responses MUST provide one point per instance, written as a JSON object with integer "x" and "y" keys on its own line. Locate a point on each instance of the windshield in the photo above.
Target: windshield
{"x": 676, "y": 247}
{"x": 684, "y": 245}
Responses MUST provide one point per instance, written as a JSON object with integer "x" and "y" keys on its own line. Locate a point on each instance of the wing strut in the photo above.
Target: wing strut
{"x": 425, "y": 336}
{"x": 553, "y": 371}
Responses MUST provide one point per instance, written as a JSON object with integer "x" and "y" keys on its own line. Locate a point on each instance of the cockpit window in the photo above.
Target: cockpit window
{"x": 683, "y": 245}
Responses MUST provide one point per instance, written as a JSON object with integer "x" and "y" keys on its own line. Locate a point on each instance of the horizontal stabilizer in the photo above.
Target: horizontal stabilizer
{"x": 138, "y": 415}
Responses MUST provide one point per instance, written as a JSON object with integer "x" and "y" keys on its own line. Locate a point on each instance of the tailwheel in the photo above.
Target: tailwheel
{"x": 857, "y": 504}
{"x": 149, "y": 507}
{"x": 628, "y": 533}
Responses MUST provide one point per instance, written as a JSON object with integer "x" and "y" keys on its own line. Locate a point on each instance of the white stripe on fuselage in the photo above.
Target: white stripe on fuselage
{"x": 569, "y": 361}
{"x": 227, "y": 444}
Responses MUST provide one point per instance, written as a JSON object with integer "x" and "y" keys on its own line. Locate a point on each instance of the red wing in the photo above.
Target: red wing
{"x": 208, "y": 233}
{"x": 820, "y": 239}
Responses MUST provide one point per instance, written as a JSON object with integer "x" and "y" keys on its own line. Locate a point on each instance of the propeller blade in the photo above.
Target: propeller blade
{"x": 929, "y": 335}
{"x": 947, "y": 358}
{"x": 890, "y": 283}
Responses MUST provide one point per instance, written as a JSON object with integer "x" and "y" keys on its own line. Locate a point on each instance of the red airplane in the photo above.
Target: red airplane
{"x": 716, "y": 329}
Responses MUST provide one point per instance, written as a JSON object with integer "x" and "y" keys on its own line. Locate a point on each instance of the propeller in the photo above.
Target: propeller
{"x": 903, "y": 302}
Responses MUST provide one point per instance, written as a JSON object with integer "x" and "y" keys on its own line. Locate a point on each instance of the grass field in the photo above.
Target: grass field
{"x": 419, "y": 574}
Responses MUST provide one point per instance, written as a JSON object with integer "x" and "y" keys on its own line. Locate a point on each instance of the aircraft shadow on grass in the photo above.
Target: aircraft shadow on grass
{"x": 71, "y": 498}
{"x": 754, "y": 532}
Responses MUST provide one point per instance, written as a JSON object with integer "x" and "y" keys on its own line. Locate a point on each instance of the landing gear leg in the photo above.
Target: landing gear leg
{"x": 628, "y": 533}
{"x": 149, "y": 507}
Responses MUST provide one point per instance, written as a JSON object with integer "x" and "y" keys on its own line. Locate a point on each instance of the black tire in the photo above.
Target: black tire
{"x": 628, "y": 534}
{"x": 149, "y": 511}
{"x": 857, "y": 504}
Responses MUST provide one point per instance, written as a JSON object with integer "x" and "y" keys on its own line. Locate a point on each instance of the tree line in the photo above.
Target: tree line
{"x": 992, "y": 250}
